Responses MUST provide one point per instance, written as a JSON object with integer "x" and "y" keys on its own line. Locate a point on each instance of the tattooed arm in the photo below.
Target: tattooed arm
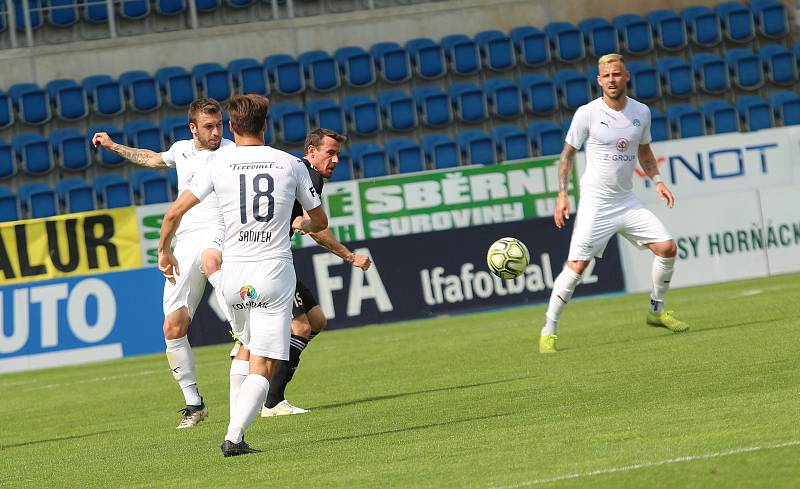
{"x": 565, "y": 163}
{"x": 141, "y": 157}
{"x": 647, "y": 160}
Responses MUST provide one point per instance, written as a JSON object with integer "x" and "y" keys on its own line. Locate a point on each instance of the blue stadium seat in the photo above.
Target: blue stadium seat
{"x": 134, "y": 9}
{"x": 8, "y": 161}
{"x": 754, "y": 112}
{"x": 427, "y": 58}
{"x": 668, "y": 29}
{"x": 371, "y": 159}
{"x": 511, "y": 143}
{"x": 702, "y": 25}
{"x": 737, "y": 21}
{"x": 68, "y": 99}
{"x": 62, "y": 13}
{"x": 150, "y": 186}
{"x": 780, "y": 64}
{"x": 770, "y": 17}
{"x": 504, "y": 98}
{"x": 286, "y": 75}
{"x": 600, "y": 36}
{"x": 33, "y": 153}
{"x": 720, "y": 116}
{"x": 433, "y": 106}
{"x": 497, "y": 50}
{"x": 9, "y": 206}
{"x": 38, "y": 199}
{"x": 70, "y": 149}
{"x": 566, "y": 42}
{"x": 249, "y": 76}
{"x": 363, "y": 115}
{"x": 477, "y": 148}
{"x": 228, "y": 134}
{"x": 392, "y": 62}
{"x": 30, "y": 102}
{"x": 546, "y": 138}
{"x": 441, "y": 151}
{"x": 677, "y": 77}
{"x": 6, "y": 110}
{"x": 659, "y": 126}
{"x": 645, "y": 81}
{"x": 144, "y": 134}
{"x": 207, "y": 6}
{"x": 786, "y": 107}
{"x": 398, "y": 109}
{"x": 356, "y": 66}
{"x": 175, "y": 128}
{"x": 344, "y": 168}
{"x": 290, "y": 122}
{"x": 326, "y": 113}
{"x": 686, "y": 121}
{"x": 469, "y": 103}
{"x": 635, "y": 34}
{"x": 95, "y": 10}
{"x": 462, "y": 53}
{"x": 539, "y": 94}
{"x": 711, "y": 73}
{"x": 142, "y": 91}
{"x": 105, "y": 157}
{"x": 591, "y": 74}
{"x": 177, "y": 86}
{"x": 745, "y": 68}
{"x": 104, "y": 94}
{"x": 213, "y": 81}
{"x": 170, "y": 7}
{"x": 405, "y": 155}
{"x": 321, "y": 70}
{"x": 113, "y": 191}
{"x": 35, "y": 14}
{"x": 172, "y": 176}
{"x": 573, "y": 88}
{"x": 532, "y": 45}
{"x": 75, "y": 195}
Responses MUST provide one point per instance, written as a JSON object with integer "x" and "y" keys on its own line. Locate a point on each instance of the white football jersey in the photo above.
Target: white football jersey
{"x": 187, "y": 160}
{"x": 256, "y": 187}
{"x": 612, "y": 144}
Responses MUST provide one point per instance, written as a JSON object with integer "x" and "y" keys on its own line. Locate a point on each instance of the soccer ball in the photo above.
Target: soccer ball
{"x": 507, "y": 258}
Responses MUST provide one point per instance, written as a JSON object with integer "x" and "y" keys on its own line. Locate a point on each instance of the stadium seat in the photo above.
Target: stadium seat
{"x": 405, "y": 155}
{"x": 677, "y": 77}
{"x": 213, "y": 81}
{"x": 780, "y": 64}
{"x": 503, "y": 97}
{"x": 786, "y": 107}
{"x": 566, "y": 42}
{"x": 113, "y": 191}
{"x": 95, "y": 11}
{"x": 392, "y": 62}
{"x": 208, "y": 6}
{"x": 669, "y": 31}
{"x": 565, "y": 125}
{"x": 497, "y": 50}
{"x": 9, "y": 206}
{"x": 175, "y": 128}
{"x": 134, "y": 9}
{"x": 539, "y": 94}
{"x": 754, "y": 112}
{"x": 8, "y": 161}
{"x": 356, "y": 66}
{"x": 321, "y": 70}
{"x": 67, "y": 99}
{"x": 720, "y": 116}
{"x": 477, "y": 148}
{"x": 38, "y": 200}
{"x": 398, "y": 109}
{"x": 659, "y": 126}
{"x": 177, "y": 86}
{"x": 686, "y": 121}
{"x": 105, "y": 157}
{"x": 6, "y": 110}
{"x": 344, "y": 168}
{"x": 645, "y": 82}
{"x": 745, "y": 68}
{"x": 573, "y": 88}
{"x": 600, "y": 36}
{"x": 286, "y": 75}
{"x": 703, "y": 26}
{"x": 427, "y": 58}
{"x": 363, "y": 116}
{"x": 33, "y": 153}
{"x": 546, "y": 138}
{"x": 172, "y": 176}
{"x": 770, "y": 18}
{"x": 326, "y": 113}
{"x": 594, "y": 88}
{"x": 75, "y": 195}
{"x": 104, "y": 94}
{"x": 290, "y": 122}
{"x": 70, "y": 149}
{"x": 532, "y": 46}
{"x": 249, "y": 76}
{"x": 441, "y": 151}
{"x": 170, "y": 7}
{"x": 141, "y": 90}
{"x": 711, "y": 73}
{"x": 433, "y": 106}
{"x": 462, "y": 53}
{"x": 511, "y": 143}
{"x": 371, "y": 159}
{"x": 144, "y": 134}
{"x": 150, "y": 186}
{"x": 469, "y": 103}
{"x": 635, "y": 34}
{"x": 35, "y": 14}
{"x": 30, "y": 102}
{"x": 62, "y": 13}
{"x": 737, "y": 21}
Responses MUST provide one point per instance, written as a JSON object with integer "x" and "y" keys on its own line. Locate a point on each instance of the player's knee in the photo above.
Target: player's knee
{"x": 317, "y": 319}
{"x": 578, "y": 266}
{"x": 176, "y": 324}
{"x": 667, "y": 249}
{"x": 301, "y": 326}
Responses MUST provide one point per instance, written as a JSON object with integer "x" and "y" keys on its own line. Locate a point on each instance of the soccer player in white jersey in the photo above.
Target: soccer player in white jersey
{"x": 256, "y": 187}
{"x": 198, "y": 245}
{"x": 616, "y": 132}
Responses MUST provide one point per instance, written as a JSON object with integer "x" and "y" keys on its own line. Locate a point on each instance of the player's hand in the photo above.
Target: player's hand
{"x": 362, "y": 261}
{"x": 101, "y": 139}
{"x": 665, "y": 194}
{"x": 561, "y": 215}
{"x": 168, "y": 265}
{"x": 297, "y": 225}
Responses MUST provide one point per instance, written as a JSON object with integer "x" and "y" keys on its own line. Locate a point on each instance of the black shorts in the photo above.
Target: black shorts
{"x": 303, "y": 301}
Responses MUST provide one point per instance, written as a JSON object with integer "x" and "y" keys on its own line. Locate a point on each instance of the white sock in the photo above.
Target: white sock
{"x": 252, "y": 395}
{"x": 240, "y": 369}
{"x": 563, "y": 287}
{"x": 215, "y": 280}
{"x": 181, "y": 362}
{"x": 662, "y": 275}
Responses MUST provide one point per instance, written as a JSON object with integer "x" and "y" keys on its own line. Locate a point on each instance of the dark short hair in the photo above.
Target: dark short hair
{"x": 315, "y": 137}
{"x": 207, "y": 106}
{"x": 248, "y": 113}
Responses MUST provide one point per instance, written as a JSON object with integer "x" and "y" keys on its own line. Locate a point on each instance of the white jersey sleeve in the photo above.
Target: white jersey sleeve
{"x": 579, "y": 128}
{"x": 169, "y": 155}
{"x": 646, "y": 136}
{"x": 305, "y": 192}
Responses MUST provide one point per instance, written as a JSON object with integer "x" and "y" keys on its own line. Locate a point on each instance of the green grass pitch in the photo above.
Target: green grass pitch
{"x": 460, "y": 401}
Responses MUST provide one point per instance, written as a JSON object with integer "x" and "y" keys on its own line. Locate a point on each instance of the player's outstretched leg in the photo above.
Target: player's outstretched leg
{"x": 662, "y": 276}
{"x": 251, "y": 397}
{"x": 563, "y": 287}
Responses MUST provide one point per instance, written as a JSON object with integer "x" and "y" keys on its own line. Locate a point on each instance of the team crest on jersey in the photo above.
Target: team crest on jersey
{"x": 636, "y": 123}
{"x": 247, "y": 291}
{"x": 623, "y": 145}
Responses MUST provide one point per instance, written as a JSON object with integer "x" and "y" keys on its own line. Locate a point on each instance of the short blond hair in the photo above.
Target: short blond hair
{"x": 610, "y": 58}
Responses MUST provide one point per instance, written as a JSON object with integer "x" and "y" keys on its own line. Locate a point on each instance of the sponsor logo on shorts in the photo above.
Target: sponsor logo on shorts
{"x": 247, "y": 291}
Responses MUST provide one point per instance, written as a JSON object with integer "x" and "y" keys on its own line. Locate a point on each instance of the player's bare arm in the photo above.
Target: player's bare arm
{"x": 316, "y": 221}
{"x": 565, "y": 163}
{"x": 141, "y": 157}
{"x": 647, "y": 160}
{"x": 326, "y": 239}
{"x": 167, "y": 262}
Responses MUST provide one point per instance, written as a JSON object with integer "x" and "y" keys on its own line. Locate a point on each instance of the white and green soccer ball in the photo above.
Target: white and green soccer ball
{"x": 507, "y": 258}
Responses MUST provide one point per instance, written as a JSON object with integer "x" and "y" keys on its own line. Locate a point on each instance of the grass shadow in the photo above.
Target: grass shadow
{"x": 50, "y": 440}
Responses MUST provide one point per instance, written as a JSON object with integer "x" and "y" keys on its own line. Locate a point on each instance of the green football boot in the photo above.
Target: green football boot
{"x": 547, "y": 343}
{"x": 666, "y": 320}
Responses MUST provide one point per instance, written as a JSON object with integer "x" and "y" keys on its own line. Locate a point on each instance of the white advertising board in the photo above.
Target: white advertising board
{"x": 781, "y": 210}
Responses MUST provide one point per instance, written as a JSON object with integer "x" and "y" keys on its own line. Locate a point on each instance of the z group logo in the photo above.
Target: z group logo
{"x": 623, "y": 145}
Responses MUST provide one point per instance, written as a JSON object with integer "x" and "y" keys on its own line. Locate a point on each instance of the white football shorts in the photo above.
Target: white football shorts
{"x": 596, "y": 223}
{"x": 190, "y": 284}
{"x": 259, "y": 298}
